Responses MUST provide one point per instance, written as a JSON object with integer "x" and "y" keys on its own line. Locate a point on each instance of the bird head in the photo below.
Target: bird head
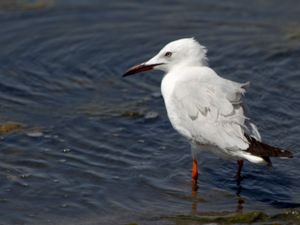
{"x": 179, "y": 53}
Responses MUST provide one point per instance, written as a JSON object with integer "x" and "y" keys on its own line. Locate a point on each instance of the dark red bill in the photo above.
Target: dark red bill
{"x": 140, "y": 68}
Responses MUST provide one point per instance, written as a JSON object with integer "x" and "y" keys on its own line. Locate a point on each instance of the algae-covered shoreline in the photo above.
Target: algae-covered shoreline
{"x": 291, "y": 216}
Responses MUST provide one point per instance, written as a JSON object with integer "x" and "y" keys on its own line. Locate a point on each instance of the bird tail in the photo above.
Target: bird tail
{"x": 265, "y": 151}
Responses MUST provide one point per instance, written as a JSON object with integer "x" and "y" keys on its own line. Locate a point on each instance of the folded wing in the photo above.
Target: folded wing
{"x": 211, "y": 112}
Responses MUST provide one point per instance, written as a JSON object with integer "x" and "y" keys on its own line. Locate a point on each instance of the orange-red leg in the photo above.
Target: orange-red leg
{"x": 195, "y": 171}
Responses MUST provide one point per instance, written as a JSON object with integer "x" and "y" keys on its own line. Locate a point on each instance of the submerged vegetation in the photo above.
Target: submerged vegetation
{"x": 10, "y": 127}
{"x": 286, "y": 217}
{"x": 25, "y": 5}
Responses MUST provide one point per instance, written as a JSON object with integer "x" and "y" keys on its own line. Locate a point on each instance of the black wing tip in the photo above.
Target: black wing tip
{"x": 264, "y": 150}
{"x": 286, "y": 154}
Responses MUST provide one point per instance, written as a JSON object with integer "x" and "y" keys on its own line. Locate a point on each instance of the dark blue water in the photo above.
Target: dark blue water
{"x": 98, "y": 149}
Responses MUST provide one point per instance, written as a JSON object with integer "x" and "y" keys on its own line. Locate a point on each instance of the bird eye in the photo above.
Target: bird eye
{"x": 168, "y": 54}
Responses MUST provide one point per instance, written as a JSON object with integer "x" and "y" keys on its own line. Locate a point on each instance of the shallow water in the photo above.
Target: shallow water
{"x": 85, "y": 146}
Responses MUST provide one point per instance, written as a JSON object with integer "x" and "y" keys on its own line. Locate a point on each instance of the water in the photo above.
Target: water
{"x": 85, "y": 146}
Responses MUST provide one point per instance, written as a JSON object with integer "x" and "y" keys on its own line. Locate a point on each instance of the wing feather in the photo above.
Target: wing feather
{"x": 212, "y": 112}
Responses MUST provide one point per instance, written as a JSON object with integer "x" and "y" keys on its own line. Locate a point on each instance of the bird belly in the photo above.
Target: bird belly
{"x": 221, "y": 153}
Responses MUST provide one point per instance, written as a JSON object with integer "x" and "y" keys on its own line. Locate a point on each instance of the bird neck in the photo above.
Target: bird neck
{"x": 186, "y": 64}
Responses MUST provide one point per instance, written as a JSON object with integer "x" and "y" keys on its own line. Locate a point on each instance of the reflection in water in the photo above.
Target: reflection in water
{"x": 197, "y": 210}
{"x": 240, "y": 204}
{"x": 194, "y": 198}
{"x": 238, "y": 188}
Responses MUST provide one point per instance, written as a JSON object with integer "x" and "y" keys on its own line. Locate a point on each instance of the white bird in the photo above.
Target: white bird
{"x": 206, "y": 108}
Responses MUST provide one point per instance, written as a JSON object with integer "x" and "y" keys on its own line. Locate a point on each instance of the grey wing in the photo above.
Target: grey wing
{"x": 212, "y": 113}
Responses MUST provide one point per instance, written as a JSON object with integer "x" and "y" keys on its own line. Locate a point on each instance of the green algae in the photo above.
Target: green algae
{"x": 132, "y": 114}
{"x": 25, "y": 5}
{"x": 293, "y": 35}
{"x": 247, "y": 218}
{"x": 10, "y": 127}
{"x": 254, "y": 217}
{"x": 291, "y": 215}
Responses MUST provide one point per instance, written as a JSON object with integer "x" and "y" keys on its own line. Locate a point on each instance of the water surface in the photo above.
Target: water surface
{"x": 81, "y": 145}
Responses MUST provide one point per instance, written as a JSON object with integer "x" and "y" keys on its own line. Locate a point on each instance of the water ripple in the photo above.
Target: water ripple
{"x": 97, "y": 148}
